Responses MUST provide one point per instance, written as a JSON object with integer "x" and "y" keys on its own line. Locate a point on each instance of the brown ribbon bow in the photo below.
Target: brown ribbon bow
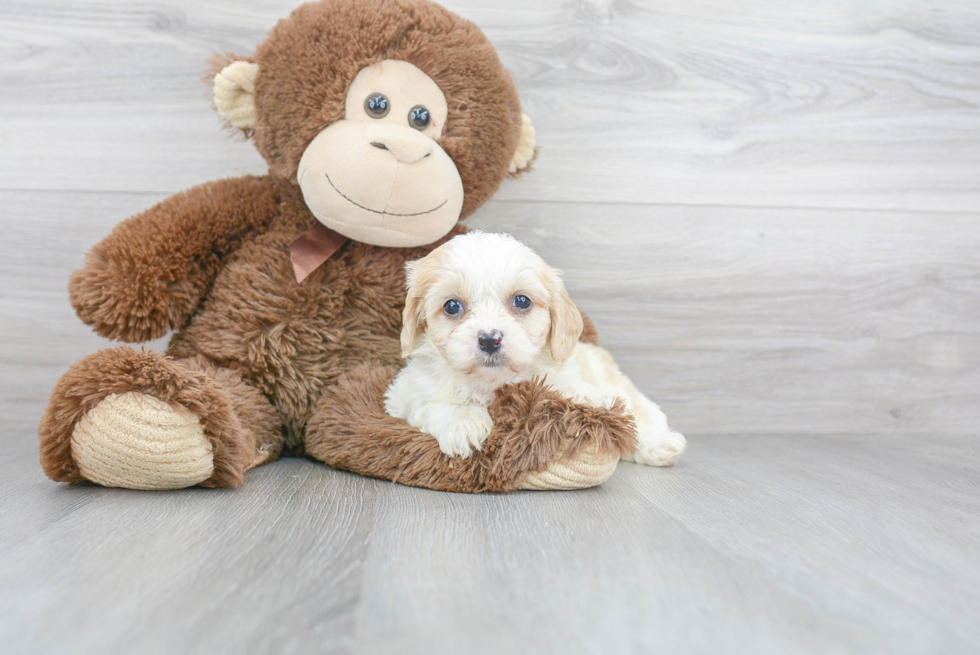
{"x": 312, "y": 248}
{"x": 319, "y": 243}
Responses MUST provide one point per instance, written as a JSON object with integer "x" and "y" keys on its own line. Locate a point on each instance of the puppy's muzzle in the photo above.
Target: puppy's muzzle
{"x": 489, "y": 342}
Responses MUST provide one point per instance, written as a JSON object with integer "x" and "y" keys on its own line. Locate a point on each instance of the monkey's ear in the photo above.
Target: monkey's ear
{"x": 525, "y": 146}
{"x": 234, "y": 93}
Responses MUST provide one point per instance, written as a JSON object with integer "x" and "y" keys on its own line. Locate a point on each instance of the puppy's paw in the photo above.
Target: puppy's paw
{"x": 657, "y": 448}
{"x": 463, "y": 430}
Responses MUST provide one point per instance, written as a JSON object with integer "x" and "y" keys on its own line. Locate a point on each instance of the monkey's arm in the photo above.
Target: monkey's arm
{"x": 151, "y": 272}
{"x": 535, "y": 428}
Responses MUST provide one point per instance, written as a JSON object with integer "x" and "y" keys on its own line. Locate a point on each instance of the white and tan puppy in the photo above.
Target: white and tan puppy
{"x": 483, "y": 310}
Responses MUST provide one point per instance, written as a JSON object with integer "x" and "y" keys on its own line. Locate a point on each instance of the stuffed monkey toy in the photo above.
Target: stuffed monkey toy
{"x": 383, "y": 122}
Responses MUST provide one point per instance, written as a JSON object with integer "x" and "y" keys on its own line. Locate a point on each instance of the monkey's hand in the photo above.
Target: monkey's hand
{"x": 151, "y": 272}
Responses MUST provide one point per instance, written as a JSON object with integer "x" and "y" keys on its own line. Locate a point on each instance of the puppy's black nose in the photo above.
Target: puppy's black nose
{"x": 490, "y": 341}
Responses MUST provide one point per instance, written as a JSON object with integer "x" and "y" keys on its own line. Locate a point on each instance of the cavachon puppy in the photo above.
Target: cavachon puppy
{"x": 484, "y": 310}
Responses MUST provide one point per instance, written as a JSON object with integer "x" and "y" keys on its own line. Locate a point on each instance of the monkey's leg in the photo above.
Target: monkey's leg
{"x": 540, "y": 440}
{"x": 141, "y": 420}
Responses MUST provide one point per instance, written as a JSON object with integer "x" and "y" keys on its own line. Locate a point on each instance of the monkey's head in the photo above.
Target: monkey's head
{"x": 395, "y": 117}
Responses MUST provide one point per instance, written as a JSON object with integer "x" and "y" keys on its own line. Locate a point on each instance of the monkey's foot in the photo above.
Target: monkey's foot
{"x": 141, "y": 420}
{"x": 590, "y": 468}
{"x": 135, "y": 441}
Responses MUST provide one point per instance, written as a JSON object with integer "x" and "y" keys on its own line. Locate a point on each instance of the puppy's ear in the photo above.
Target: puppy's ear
{"x": 566, "y": 319}
{"x": 413, "y": 316}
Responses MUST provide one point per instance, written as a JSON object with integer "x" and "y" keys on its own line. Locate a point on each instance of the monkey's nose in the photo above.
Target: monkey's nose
{"x": 489, "y": 342}
{"x": 406, "y": 144}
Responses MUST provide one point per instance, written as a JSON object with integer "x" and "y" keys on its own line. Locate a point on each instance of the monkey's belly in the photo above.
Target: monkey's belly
{"x": 292, "y": 340}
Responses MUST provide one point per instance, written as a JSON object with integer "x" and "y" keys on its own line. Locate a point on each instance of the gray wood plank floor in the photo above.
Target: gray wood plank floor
{"x": 759, "y": 545}
{"x": 770, "y": 210}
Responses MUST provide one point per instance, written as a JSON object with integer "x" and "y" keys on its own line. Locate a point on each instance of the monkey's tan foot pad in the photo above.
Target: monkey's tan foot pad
{"x": 589, "y": 468}
{"x": 135, "y": 441}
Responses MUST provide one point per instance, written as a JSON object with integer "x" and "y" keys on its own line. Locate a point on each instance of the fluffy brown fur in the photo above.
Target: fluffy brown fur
{"x": 151, "y": 272}
{"x": 533, "y": 426}
{"x": 274, "y": 366}
{"x": 259, "y": 420}
{"x": 290, "y": 341}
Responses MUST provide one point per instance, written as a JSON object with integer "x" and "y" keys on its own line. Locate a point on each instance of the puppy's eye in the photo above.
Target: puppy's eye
{"x": 418, "y": 117}
{"x": 376, "y": 105}
{"x": 522, "y": 302}
{"x": 452, "y": 307}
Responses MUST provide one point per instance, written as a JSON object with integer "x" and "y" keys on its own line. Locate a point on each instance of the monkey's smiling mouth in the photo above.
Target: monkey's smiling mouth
{"x": 375, "y": 211}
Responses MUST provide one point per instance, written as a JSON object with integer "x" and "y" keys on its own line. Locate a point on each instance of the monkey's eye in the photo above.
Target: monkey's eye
{"x": 418, "y": 117}
{"x": 452, "y": 307}
{"x": 376, "y": 105}
{"x": 522, "y": 302}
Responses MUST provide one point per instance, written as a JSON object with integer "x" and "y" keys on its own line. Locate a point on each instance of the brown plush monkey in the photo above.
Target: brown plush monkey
{"x": 384, "y": 122}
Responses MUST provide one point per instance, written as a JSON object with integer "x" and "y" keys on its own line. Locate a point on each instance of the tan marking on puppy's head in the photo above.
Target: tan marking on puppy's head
{"x": 566, "y": 319}
{"x": 420, "y": 275}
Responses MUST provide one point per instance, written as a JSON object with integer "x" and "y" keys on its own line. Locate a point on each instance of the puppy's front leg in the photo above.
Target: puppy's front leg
{"x": 459, "y": 429}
